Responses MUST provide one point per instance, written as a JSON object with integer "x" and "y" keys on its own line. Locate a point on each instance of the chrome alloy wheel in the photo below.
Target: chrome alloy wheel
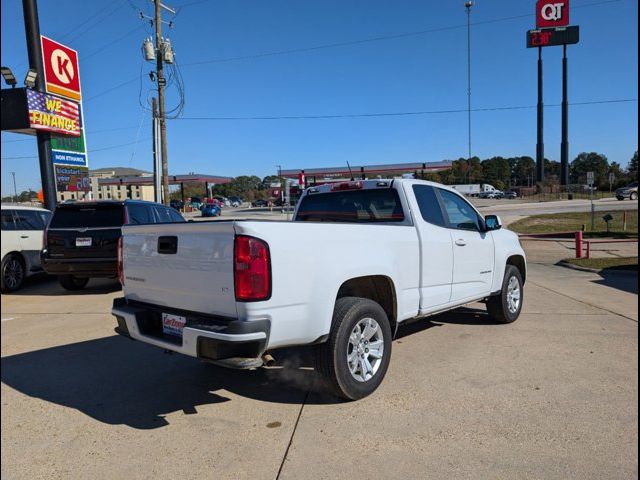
{"x": 513, "y": 295}
{"x": 365, "y": 349}
{"x": 13, "y": 273}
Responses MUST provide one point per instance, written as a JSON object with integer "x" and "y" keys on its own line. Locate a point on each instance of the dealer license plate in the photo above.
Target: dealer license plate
{"x": 173, "y": 324}
{"x": 83, "y": 242}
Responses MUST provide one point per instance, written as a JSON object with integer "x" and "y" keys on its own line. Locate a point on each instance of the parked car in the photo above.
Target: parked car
{"x": 22, "y": 231}
{"x": 259, "y": 203}
{"x": 235, "y": 201}
{"x": 630, "y": 192}
{"x": 177, "y": 204}
{"x": 358, "y": 259}
{"x": 222, "y": 201}
{"x": 210, "y": 210}
{"x": 510, "y": 194}
{"x": 81, "y": 239}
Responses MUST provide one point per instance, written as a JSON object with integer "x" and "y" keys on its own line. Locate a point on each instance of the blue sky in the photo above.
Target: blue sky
{"x": 421, "y": 72}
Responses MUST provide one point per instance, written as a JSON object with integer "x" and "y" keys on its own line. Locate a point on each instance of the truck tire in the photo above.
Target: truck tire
{"x": 506, "y": 307}
{"x": 13, "y": 273}
{"x": 633, "y": 196}
{"x": 355, "y": 358}
{"x": 71, "y": 283}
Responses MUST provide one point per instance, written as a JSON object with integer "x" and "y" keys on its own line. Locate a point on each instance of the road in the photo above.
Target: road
{"x": 552, "y": 396}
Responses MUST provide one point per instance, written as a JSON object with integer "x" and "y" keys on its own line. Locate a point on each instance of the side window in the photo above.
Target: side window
{"x": 459, "y": 213}
{"x": 175, "y": 216}
{"x": 139, "y": 214}
{"x": 28, "y": 220}
{"x": 7, "y": 220}
{"x": 429, "y": 205}
{"x": 163, "y": 215}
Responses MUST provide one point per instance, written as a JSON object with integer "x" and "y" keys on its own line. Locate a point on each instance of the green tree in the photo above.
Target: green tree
{"x": 590, "y": 162}
{"x": 497, "y": 172}
{"x": 632, "y": 169}
{"x": 268, "y": 180}
{"x": 524, "y": 170}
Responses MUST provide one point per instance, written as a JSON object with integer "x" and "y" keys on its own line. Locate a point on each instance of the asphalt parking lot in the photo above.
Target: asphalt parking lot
{"x": 553, "y": 395}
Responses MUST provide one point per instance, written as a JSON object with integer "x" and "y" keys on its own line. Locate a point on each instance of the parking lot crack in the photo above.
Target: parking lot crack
{"x": 293, "y": 432}
{"x": 585, "y": 303}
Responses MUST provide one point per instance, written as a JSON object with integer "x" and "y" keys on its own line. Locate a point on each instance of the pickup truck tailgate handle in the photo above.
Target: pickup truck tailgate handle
{"x": 168, "y": 245}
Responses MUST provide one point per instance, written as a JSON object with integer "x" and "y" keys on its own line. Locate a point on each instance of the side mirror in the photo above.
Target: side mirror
{"x": 492, "y": 222}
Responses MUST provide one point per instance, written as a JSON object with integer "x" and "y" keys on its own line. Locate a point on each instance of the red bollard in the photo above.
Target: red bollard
{"x": 579, "y": 244}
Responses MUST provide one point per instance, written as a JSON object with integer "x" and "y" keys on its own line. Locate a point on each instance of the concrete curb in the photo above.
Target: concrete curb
{"x": 562, "y": 263}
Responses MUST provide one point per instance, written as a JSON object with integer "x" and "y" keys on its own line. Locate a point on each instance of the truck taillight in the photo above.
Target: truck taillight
{"x": 120, "y": 261}
{"x": 251, "y": 269}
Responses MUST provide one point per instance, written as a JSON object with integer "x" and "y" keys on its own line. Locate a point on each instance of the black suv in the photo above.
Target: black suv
{"x": 81, "y": 241}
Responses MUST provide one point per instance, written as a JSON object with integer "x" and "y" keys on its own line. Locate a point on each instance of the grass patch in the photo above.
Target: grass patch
{"x": 573, "y": 221}
{"x": 614, "y": 263}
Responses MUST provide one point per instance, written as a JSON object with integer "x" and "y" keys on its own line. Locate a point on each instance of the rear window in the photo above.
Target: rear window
{"x": 358, "y": 206}
{"x": 93, "y": 216}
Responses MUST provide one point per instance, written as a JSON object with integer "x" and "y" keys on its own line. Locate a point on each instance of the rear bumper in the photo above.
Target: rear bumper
{"x": 82, "y": 267}
{"x": 206, "y": 337}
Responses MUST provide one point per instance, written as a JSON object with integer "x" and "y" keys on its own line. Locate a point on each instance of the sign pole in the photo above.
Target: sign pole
{"x": 564, "y": 147}
{"x": 540, "y": 145}
{"x": 32, "y": 31}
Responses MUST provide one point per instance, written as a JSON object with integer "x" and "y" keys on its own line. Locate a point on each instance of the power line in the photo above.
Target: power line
{"x": 377, "y": 39}
{"x": 341, "y": 44}
{"x": 399, "y": 114}
{"x": 88, "y": 133}
{"x": 110, "y": 147}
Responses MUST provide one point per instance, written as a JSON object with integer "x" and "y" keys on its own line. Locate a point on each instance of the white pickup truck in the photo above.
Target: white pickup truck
{"x": 358, "y": 259}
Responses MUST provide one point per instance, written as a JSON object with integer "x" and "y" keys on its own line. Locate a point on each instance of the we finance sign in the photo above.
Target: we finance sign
{"x": 53, "y": 114}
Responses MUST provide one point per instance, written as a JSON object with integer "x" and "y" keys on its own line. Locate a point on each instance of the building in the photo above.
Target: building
{"x": 118, "y": 183}
{"x": 319, "y": 175}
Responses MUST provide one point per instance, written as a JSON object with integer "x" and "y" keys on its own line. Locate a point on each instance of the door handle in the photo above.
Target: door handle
{"x": 24, "y": 236}
{"x": 460, "y": 242}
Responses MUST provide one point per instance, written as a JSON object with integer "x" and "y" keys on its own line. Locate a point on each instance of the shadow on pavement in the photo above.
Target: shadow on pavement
{"x": 626, "y": 281}
{"x": 47, "y": 285}
{"x": 118, "y": 381}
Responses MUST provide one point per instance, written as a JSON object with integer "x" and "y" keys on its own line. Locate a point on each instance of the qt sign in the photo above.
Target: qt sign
{"x": 61, "y": 72}
{"x": 552, "y": 13}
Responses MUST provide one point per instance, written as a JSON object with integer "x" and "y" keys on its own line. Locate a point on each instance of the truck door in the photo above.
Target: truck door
{"x": 436, "y": 249}
{"x": 473, "y": 250}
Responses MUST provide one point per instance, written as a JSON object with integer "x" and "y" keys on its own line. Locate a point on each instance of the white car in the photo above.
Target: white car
{"x": 22, "y": 240}
{"x": 358, "y": 259}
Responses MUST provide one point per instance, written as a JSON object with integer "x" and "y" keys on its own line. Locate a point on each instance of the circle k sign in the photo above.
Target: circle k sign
{"x": 552, "y": 13}
{"x": 61, "y": 72}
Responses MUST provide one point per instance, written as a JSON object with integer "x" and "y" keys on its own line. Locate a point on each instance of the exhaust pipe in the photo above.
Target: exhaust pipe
{"x": 268, "y": 360}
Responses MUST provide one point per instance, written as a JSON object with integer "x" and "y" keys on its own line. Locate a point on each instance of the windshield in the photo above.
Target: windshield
{"x": 358, "y": 206}
{"x": 89, "y": 216}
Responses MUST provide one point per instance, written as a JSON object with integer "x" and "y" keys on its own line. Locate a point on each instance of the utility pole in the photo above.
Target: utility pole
{"x": 161, "y": 84}
{"x": 34, "y": 50}
{"x": 15, "y": 190}
{"x": 157, "y": 183}
{"x": 468, "y": 6}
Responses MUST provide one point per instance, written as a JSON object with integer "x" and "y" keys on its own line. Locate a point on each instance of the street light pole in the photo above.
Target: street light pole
{"x": 468, "y": 6}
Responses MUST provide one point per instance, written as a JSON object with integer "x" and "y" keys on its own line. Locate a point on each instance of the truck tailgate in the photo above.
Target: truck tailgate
{"x": 187, "y": 266}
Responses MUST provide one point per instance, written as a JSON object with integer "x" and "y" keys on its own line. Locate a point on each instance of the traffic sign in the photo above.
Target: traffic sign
{"x": 590, "y": 178}
{"x": 552, "y": 13}
{"x": 61, "y": 71}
